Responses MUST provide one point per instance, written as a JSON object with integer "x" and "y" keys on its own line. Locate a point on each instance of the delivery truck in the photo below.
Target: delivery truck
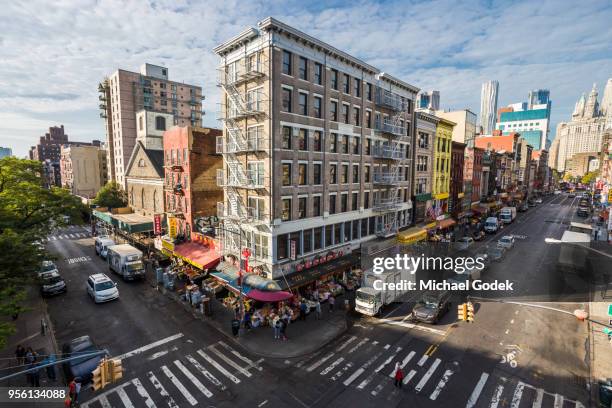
{"x": 126, "y": 261}
{"x": 507, "y": 214}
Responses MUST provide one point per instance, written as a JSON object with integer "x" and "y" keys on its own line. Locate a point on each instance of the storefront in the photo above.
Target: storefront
{"x": 422, "y": 202}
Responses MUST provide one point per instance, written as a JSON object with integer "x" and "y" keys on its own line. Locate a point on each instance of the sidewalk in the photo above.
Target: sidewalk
{"x": 29, "y": 334}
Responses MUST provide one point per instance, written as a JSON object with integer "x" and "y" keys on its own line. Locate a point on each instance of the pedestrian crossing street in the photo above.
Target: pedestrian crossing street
{"x": 424, "y": 374}
{"x": 195, "y": 378}
{"x": 73, "y": 232}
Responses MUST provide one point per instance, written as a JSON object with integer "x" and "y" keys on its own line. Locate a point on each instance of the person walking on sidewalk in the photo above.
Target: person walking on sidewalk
{"x": 283, "y": 329}
{"x": 302, "y": 310}
{"x": 399, "y": 375}
{"x": 20, "y": 353}
{"x": 276, "y": 327}
{"x": 332, "y": 302}
{"x": 318, "y": 309}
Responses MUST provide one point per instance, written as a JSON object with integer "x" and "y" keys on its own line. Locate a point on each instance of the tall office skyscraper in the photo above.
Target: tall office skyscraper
{"x": 488, "y": 106}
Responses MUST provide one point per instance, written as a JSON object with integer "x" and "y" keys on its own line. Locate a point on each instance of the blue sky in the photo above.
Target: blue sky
{"x": 53, "y": 54}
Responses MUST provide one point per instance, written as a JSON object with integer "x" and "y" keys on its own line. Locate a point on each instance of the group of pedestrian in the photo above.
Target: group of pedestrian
{"x": 279, "y": 325}
{"x": 74, "y": 389}
{"x": 28, "y": 359}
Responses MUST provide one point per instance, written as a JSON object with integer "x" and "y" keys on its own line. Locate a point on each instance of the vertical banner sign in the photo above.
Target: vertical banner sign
{"x": 172, "y": 227}
{"x": 610, "y": 219}
{"x": 157, "y": 224}
{"x": 292, "y": 249}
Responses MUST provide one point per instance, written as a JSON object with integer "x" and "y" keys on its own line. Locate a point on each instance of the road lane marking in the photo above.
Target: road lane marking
{"x": 387, "y": 347}
{"x": 377, "y": 370}
{"x": 407, "y": 379}
{"x": 441, "y": 384}
{"x": 362, "y": 368}
{"x": 320, "y": 361}
{"x": 104, "y": 402}
{"x": 477, "y": 390}
{"x": 219, "y": 367}
{"x": 149, "y": 346}
{"x": 353, "y": 376}
{"x": 518, "y": 394}
{"x": 495, "y": 399}
{"x": 332, "y": 366}
{"x": 143, "y": 393}
{"x": 412, "y": 326}
{"x": 124, "y": 398}
{"x": 241, "y": 357}
{"x": 205, "y": 372}
{"x": 361, "y": 343}
{"x": 404, "y": 362}
{"x": 537, "y": 403}
{"x": 422, "y": 360}
{"x": 194, "y": 380}
{"x": 558, "y": 401}
{"x": 223, "y": 357}
{"x": 341, "y": 372}
{"x": 179, "y": 386}
{"x": 346, "y": 343}
{"x": 427, "y": 375}
{"x": 162, "y": 391}
{"x": 262, "y": 403}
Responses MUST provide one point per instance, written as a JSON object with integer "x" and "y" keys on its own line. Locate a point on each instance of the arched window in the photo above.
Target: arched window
{"x": 160, "y": 123}
{"x": 142, "y": 198}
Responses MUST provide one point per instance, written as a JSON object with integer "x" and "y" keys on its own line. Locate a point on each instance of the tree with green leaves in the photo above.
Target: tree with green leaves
{"x": 111, "y": 196}
{"x": 28, "y": 213}
{"x": 589, "y": 177}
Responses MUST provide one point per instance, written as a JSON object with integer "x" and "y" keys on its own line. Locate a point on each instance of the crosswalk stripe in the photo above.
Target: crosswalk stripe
{"x": 218, "y": 367}
{"x": 143, "y": 393}
{"x": 179, "y": 386}
{"x": 353, "y": 376}
{"x": 388, "y": 360}
{"x": 423, "y": 360}
{"x": 162, "y": 391}
{"x": 127, "y": 403}
{"x": 194, "y": 380}
{"x": 71, "y": 236}
{"x": 320, "y": 361}
{"x": 404, "y": 362}
{"x": 558, "y": 401}
{"x": 346, "y": 343}
{"x": 301, "y": 363}
{"x": 477, "y": 390}
{"x": 241, "y": 357}
{"x": 495, "y": 399}
{"x": 104, "y": 401}
{"x": 366, "y": 365}
{"x": 54, "y": 238}
{"x": 205, "y": 372}
{"x": 356, "y": 346}
{"x": 387, "y": 347}
{"x": 441, "y": 384}
{"x": 228, "y": 361}
{"x": 379, "y": 387}
{"x": 407, "y": 379}
{"x": 537, "y": 403}
{"x": 427, "y": 375}
{"x": 518, "y": 394}
{"x": 333, "y": 365}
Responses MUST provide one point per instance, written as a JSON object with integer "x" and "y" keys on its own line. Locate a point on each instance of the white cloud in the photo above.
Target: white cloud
{"x": 53, "y": 56}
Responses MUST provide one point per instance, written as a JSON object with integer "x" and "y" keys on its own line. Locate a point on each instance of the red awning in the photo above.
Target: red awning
{"x": 199, "y": 255}
{"x": 262, "y": 296}
{"x": 448, "y": 222}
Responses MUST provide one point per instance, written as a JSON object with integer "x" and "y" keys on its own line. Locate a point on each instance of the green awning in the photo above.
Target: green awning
{"x": 133, "y": 223}
{"x": 106, "y": 217}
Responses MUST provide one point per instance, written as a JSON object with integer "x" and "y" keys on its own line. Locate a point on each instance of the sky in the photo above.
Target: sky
{"x": 53, "y": 54}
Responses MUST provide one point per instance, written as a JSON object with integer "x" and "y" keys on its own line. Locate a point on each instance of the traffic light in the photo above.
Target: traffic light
{"x": 100, "y": 377}
{"x": 115, "y": 370}
{"x": 470, "y": 312}
{"x": 462, "y": 312}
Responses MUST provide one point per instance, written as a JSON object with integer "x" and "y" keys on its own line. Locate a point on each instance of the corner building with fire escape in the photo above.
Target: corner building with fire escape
{"x": 316, "y": 150}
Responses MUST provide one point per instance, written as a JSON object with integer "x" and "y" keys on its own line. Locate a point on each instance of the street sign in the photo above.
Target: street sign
{"x": 157, "y": 230}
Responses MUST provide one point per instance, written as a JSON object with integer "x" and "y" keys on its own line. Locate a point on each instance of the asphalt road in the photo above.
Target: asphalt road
{"x": 513, "y": 355}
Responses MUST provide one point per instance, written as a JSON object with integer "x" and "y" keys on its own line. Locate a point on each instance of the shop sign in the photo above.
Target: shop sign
{"x": 610, "y": 195}
{"x": 423, "y": 197}
{"x": 157, "y": 224}
{"x": 460, "y": 195}
{"x": 441, "y": 196}
{"x": 172, "y": 226}
{"x": 292, "y": 250}
{"x": 168, "y": 245}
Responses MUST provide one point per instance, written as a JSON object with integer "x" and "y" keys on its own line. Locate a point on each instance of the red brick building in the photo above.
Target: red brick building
{"x": 456, "y": 178}
{"x": 477, "y": 174}
{"x": 190, "y": 184}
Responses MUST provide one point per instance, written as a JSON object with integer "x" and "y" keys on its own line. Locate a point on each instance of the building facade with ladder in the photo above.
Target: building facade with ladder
{"x": 316, "y": 149}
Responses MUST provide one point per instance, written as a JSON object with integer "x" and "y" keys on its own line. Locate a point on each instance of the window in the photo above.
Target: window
{"x": 333, "y": 173}
{"x": 347, "y": 231}
{"x": 344, "y": 174}
{"x": 317, "y": 143}
{"x": 355, "y": 173}
{"x": 316, "y": 173}
{"x": 160, "y": 123}
{"x": 337, "y": 234}
{"x": 332, "y": 204}
{"x": 286, "y": 142}
{"x": 368, "y": 119}
{"x": 334, "y": 79}
{"x": 282, "y": 247}
{"x": 316, "y": 206}
{"x": 286, "y": 62}
{"x": 355, "y": 145}
{"x": 421, "y": 163}
{"x": 357, "y": 87}
{"x": 307, "y": 243}
{"x": 366, "y": 174}
{"x": 345, "y": 113}
{"x": 286, "y": 172}
{"x": 357, "y": 116}
{"x": 286, "y": 98}
{"x": 421, "y": 185}
{"x": 344, "y": 202}
{"x": 318, "y": 73}
{"x": 345, "y": 144}
{"x": 317, "y": 107}
{"x": 369, "y": 92}
{"x": 346, "y": 84}
{"x": 318, "y": 238}
{"x": 366, "y": 200}
{"x": 301, "y": 207}
{"x": 302, "y": 174}
{"x": 333, "y": 109}
{"x": 303, "y": 139}
{"x": 303, "y": 69}
{"x": 368, "y": 147}
{"x": 423, "y": 140}
{"x": 303, "y": 102}
{"x": 140, "y": 124}
{"x": 333, "y": 143}
{"x": 286, "y": 209}
{"x": 355, "y": 201}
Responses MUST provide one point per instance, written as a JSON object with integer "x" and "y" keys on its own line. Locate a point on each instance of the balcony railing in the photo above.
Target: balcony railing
{"x": 248, "y": 179}
{"x": 390, "y": 100}
{"x": 389, "y": 152}
{"x": 386, "y": 204}
{"x": 388, "y": 177}
{"x": 388, "y": 126}
{"x": 386, "y": 230}
{"x": 252, "y": 144}
{"x": 246, "y": 215}
{"x": 245, "y": 72}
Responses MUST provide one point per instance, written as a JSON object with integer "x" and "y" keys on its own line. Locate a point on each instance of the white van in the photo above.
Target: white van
{"x": 491, "y": 224}
{"x": 102, "y": 243}
{"x": 101, "y": 288}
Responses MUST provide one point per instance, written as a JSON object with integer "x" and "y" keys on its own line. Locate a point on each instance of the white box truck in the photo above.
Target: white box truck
{"x": 507, "y": 214}
{"x": 126, "y": 261}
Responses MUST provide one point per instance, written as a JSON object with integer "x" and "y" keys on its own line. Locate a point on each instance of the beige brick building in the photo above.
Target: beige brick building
{"x": 316, "y": 148}
{"x": 145, "y": 181}
{"x": 81, "y": 170}
{"x": 426, "y": 125}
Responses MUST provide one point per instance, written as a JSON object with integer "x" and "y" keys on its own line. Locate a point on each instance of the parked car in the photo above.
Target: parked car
{"x": 432, "y": 306}
{"x": 47, "y": 266}
{"x": 538, "y": 200}
{"x": 491, "y": 224}
{"x": 557, "y": 192}
{"x": 102, "y": 243}
{"x": 51, "y": 283}
{"x": 81, "y": 367}
{"x": 496, "y": 253}
{"x": 507, "y": 241}
{"x": 464, "y": 243}
{"x": 101, "y": 288}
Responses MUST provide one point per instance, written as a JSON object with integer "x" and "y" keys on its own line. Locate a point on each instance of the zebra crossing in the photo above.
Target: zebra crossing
{"x": 193, "y": 378}
{"x": 69, "y": 233}
{"x": 344, "y": 363}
